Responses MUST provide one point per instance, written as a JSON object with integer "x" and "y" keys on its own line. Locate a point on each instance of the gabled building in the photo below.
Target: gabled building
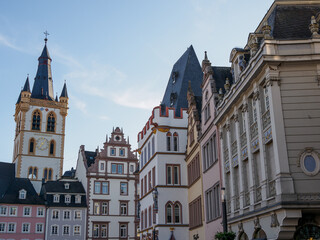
{"x": 111, "y": 183}
{"x": 162, "y": 146}
{"x": 22, "y": 211}
{"x": 194, "y": 167}
{"x": 40, "y": 127}
{"x": 66, "y": 209}
{"x": 268, "y": 121}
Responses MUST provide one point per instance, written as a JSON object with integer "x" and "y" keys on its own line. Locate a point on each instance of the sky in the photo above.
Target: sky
{"x": 115, "y": 56}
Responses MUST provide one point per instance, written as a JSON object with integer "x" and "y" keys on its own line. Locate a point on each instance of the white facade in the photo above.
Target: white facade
{"x": 162, "y": 145}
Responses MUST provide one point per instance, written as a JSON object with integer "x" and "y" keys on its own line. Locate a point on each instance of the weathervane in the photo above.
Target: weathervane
{"x": 46, "y": 34}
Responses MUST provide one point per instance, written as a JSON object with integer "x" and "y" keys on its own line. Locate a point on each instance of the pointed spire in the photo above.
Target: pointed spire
{"x": 64, "y": 92}
{"x": 128, "y": 140}
{"x": 56, "y": 98}
{"x": 43, "y": 86}
{"x": 205, "y": 61}
{"x": 26, "y": 87}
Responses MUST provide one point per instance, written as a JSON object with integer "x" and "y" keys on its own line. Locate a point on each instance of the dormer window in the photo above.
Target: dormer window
{"x": 22, "y": 194}
{"x": 67, "y": 199}
{"x": 174, "y": 76}
{"x": 56, "y": 198}
{"x": 66, "y": 186}
{"x": 78, "y": 199}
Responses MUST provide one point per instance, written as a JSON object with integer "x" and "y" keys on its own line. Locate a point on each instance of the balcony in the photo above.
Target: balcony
{"x": 266, "y": 119}
{"x": 254, "y": 130}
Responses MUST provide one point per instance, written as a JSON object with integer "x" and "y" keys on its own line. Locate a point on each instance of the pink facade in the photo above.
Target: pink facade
{"x": 21, "y": 222}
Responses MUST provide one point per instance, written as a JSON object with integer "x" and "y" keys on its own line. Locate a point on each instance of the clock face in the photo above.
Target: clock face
{"x": 42, "y": 143}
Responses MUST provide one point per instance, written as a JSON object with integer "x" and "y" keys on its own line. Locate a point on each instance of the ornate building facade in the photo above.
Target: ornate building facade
{"x": 40, "y": 127}
{"x": 268, "y": 121}
{"x": 111, "y": 186}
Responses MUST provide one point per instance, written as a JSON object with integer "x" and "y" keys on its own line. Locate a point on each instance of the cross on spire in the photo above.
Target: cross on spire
{"x": 46, "y": 34}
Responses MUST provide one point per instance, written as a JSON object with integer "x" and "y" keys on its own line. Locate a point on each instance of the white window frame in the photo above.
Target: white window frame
{"x": 30, "y": 213}
{"x": 25, "y": 224}
{"x": 22, "y": 194}
{"x": 67, "y": 198}
{"x": 15, "y": 227}
{"x": 75, "y": 214}
{"x": 78, "y": 199}
{"x": 64, "y": 214}
{"x": 66, "y": 186}
{"x": 74, "y": 232}
{"x": 56, "y": 198}
{"x": 16, "y": 212}
{"x": 38, "y": 210}
{"x": 63, "y": 227}
{"x": 55, "y": 210}
{"x": 36, "y": 228}
{"x": 4, "y": 227}
{"x": 5, "y": 210}
{"x": 54, "y": 226}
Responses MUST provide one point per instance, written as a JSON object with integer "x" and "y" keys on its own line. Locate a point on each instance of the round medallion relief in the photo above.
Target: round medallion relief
{"x": 310, "y": 163}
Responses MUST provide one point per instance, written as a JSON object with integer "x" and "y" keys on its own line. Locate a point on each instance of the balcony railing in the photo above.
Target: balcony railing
{"x": 258, "y": 194}
{"x": 226, "y": 154}
{"x": 234, "y": 148}
{"x": 254, "y": 130}
{"x": 266, "y": 119}
{"x": 247, "y": 199}
{"x": 272, "y": 188}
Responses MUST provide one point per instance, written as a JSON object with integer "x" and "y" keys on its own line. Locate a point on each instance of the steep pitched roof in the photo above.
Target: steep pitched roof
{"x": 292, "y": 21}
{"x": 64, "y": 92}
{"x": 12, "y": 193}
{"x": 43, "y": 86}
{"x": 186, "y": 69}
{"x": 26, "y": 88}
{"x": 220, "y": 74}
{"x": 59, "y": 186}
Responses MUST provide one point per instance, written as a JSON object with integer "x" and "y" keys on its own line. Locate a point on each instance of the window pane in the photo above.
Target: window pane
{"x": 120, "y": 168}
{"x": 176, "y": 213}
{"x": 113, "y": 168}
{"x": 176, "y": 174}
{"x": 169, "y": 214}
{"x": 169, "y": 175}
{"x": 105, "y": 188}
{"x": 97, "y": 187}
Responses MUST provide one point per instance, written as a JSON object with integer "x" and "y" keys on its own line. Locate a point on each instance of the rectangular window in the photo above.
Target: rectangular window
{"x": 145, "y": 184}
{"x": 104, "y": 230}
{"x": 66, "y": 215}
{"x": 123, "y": 230}
{"x": 123, "y": 188}
{"x": 97, "y": 186}
{"x": 149, "y": 181}
{"x": 27, "y": 211}
{"x": 150, "y": 217}
{"x": 55, "y": 214}
{"x": 113, "y": 168}
{"x": 11, "y": 227}
{"x": 77, "y": 214}
{"x": 173, "y": 174}
{"x": 194, "y": 170}
{"x": 153, "y": 176}
{"x": 96, "y": 208}
{"x": 13, "y": 211}
{"x": 67, "y": 198}
{"x": 40, "y": 212}
{"x": 54, "y": 230}
{"x": 56, "y": 198}
{"x": 76, "y": 230}
{"x": 175, "y": 143}
{"x": 66, "y": 230}
{"x": 121, "y": 152}
{"x": 2, "y": 227}
{"x": 117, "y": 168}
{"x": 168, "y": 143}
{"x": 105, "y": 188}
{"x": 141, "y": 187}
{"x": 102, "y": 166}
{"x": 149, "y": 149}
{"x": 141, "y": 160}
{"x": 39, "y": 227}
{"x": 104, "y": 208}
{"x": 123, "y": 208}
{"x": 153, "y": 146}
{"x": 113, "y": 152}
{"x": 95, "y": 230}
{"x": 3, "y": 210}
{"x": 78, "y": 199}
{"x": 131, "y": 168}
{"x": 195, "y": 213}
{"x": 213, "y": 202}
{"x": 120, "y": 168}
{"x": 266, "y": 98}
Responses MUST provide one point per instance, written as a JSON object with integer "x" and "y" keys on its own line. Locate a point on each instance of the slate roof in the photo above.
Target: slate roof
{"x": 220, "y": 74}
{"x": 64, "y": 92}
{"x": 186, "y": 69}
{"x": 7, "y": 174}
{"x": 43, "y": 86}
{"x": 50, "y": 188}
{"x": 26, "y": 88}
{"x": 292, "y": 22}
{"x": 90, "y": 156}
{"x": 12, "y": 193}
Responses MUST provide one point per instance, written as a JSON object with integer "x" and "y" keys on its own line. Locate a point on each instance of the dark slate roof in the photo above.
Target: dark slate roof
{"x": 90, "y": 156}
{"x": 220, "y": 74}
{"x": 26, "y": 88}
{"x": 186, "y": 69}
{"x": 50, "y": 188}
{"x": 43, "y": 86}
{"x": 64, "y": 92}
{"x": 7, "y": 174}
{"x": 199, "y": 105}
{"x": 292, "y": 22}
{"x": 12, "y": 193}
{"x": 69, "y": 173}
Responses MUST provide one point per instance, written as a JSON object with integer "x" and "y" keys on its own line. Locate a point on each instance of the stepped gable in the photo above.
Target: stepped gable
{"x": 7, "y": 174}
{"x": 12, "y": 193}
{"x": 292, "y": 22}
{"x": 186, "y": 69}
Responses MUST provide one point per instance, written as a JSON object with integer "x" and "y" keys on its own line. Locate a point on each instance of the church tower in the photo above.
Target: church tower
{"x": 40, "y": 127}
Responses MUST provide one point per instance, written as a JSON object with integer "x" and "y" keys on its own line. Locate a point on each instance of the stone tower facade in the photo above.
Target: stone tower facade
{"x": 40, "y": 127}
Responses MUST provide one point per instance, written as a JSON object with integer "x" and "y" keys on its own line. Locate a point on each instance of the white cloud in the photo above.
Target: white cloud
{"x": 104, "y": 117}
{"x": 79, "y": 104}
{"x": 6, "y": 42}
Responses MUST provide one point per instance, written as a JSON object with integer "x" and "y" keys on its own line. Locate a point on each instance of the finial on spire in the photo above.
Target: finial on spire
{"x": 46, "y": 38}
{"x": 205, "y": 55}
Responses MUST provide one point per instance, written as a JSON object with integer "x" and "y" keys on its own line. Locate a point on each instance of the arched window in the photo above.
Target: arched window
{"x": 175, "y": 142}
{"x": 52, "y": 148}
{"x": 31, "y": 145}
{"x": 177, "y": 213}
{"x": 168, "y": 141}
{"x": 47, "y": 174}
{"x": 36, "y": 120}
{"x": 169, "y": 213}
{"x": 33, "y": 173}
{"x": 142, "y": 219}
{"x": 50, "y": 174}
{"x": 51, "y": 123}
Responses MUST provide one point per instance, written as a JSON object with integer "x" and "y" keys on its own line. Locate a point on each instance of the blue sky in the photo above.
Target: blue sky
{"x": 116, "y": 56}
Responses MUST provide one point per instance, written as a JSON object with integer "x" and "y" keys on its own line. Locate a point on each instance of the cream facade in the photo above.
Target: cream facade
{"x": 268, "y": 121}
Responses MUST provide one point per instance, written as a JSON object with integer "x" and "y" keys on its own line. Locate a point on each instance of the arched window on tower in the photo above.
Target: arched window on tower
{"x": 169, "y": 213}
{"x": 169, "y": 141}
{"x": 177, "y": 213}
{"x": 36, "y": 120}
{"x": 50, "y": 174}
{"x": 47, "y": 173}
{"x": 33, "y": 173}
{"x": 52, "y": 148}
{"x": 175, "y": 142}
{"x": 31, "y": 145}
{"x": 51, "y": 123}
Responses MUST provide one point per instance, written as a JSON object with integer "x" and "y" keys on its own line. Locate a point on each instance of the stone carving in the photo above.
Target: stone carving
{"x": 256, "y": 223}
{"x": 236, "y": 118}
{"x": 220, "y": 94}
{"x": 253, "y": 44}
{"x": 274, "y": 220}
{"x": 266, "y": 30}
{"x": 242, "y": 63}
{"x": 256, "y": 95}
{"x": 227, "y": 85}
{"x": 240, "y": 228}
{"x": 244, "y": 107}
{"x": 314, "y": 27}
